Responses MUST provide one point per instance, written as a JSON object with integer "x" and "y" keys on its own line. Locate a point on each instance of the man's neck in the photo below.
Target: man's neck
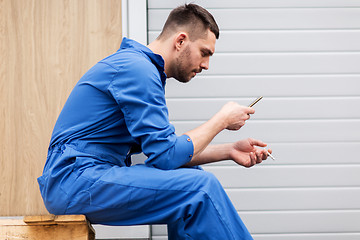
{"x": 164, "y": 50}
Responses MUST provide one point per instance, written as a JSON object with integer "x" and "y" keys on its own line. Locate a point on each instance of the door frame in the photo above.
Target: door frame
{"x": 134, "y": 20}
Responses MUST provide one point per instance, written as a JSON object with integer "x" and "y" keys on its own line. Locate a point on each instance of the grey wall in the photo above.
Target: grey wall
{"x": 304, "y": 58}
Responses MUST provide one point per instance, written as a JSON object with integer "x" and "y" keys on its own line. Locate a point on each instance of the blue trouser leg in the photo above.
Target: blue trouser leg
{"x": 211, "y": 215}
{"x": 192, "y": 202}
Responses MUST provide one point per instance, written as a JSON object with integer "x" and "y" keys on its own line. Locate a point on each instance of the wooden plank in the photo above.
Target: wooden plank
{"x": 262, "y": 176}
{"x": 64, "y": 219}
{"x": 260, "y": 19}
{"x": 12, "y": 222}
{"x": 286, "y": 131}
{"x": 161, "y": 4}
{"x": 55, "y": 219}
{"x": 267, "y": 86}
{"x": 268, "y": 108}
{"x": 18, "y": 229}
{"x": 285, "y": 41}
{"x": 267, "y": 199}
{"x": 40, "y": 219}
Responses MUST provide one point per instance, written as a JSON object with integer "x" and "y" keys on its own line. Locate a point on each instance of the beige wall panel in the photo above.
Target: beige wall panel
{"x": 45, "y": 47}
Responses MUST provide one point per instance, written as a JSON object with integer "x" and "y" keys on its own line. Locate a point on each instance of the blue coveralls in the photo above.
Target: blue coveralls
{"x": 116, "y": 109}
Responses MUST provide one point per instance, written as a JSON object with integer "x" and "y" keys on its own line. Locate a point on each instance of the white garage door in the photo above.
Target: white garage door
{"x": 304, "y": 57}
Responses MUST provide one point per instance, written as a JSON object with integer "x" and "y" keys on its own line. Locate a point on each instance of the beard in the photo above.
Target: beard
{"x": 180, "y": 68}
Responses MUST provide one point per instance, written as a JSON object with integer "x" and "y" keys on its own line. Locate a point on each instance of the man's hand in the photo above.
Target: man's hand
{"x": 235, "y": 115}
{"x": 232, "y": 116}
{"x": 245, "y": 153}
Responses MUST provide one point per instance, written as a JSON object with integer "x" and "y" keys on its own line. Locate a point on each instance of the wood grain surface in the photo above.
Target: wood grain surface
{"x": 45, "y": 47}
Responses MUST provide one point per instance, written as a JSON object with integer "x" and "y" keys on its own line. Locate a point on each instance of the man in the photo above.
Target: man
{"x": 117, "y": 109}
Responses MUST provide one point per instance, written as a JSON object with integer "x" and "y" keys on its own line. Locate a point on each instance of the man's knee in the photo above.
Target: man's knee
{"x": 207, "y": 182}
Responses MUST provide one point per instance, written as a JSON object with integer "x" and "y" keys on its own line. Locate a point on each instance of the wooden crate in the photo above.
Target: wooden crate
{"x": 54, "y": 227}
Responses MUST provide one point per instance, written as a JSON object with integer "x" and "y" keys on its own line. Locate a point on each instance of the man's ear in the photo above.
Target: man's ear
{"x": 180, "y": 40}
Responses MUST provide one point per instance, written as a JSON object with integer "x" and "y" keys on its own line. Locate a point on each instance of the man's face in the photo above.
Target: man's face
{"x": 194, "y": 57}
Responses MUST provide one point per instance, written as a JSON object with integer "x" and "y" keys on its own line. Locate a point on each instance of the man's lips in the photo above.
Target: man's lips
{"x": 196, "y": 72}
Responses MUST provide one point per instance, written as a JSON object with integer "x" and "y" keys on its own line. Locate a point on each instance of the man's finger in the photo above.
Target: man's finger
{"x": 257, "y": 142}
{"x": 259, "y": 157}
{"x": 250, "y": 110}
{"x": 265, "y": 154}
{"x": 252, "y": 158}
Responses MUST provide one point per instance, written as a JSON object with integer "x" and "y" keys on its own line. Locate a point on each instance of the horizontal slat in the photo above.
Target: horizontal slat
{"x": 159, "y": 230}
{"x": 284, "y": 63}
{"x": 307, "y": 236}
{"x": 242, "y": 19}
{"x": 122, "y": 232}
{"x": 267, "y": 86}
{"x": 302, "y": 221}
{"x": 295, "y": 198}
{"x": 298, "y": 154}
{"x": 159, "y": 238}
{"x": 269, "y": 108}
{"x": 287, "y": 130}
{"x": 327, "y": 223}
{"x": 255, "y": 3}
{"x": 288, "y": 176}
{"x": 308, "y": 153}
{"x": 285, "y": 41}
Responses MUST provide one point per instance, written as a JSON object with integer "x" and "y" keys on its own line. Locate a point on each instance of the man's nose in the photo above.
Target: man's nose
{"x": 205, "y": 64}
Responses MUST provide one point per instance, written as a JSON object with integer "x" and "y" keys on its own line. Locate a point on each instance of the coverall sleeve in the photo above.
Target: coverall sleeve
{"x": 140, "y": 94}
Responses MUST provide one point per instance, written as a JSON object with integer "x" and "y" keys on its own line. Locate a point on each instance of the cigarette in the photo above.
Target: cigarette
{"x": 272, "y": 157}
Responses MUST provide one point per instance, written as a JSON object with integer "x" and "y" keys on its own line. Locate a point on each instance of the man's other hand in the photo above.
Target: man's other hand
{"x": 245, "y": 153}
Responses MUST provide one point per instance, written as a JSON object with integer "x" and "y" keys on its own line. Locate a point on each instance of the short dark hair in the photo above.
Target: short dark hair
{"x": 194, "y": 18}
